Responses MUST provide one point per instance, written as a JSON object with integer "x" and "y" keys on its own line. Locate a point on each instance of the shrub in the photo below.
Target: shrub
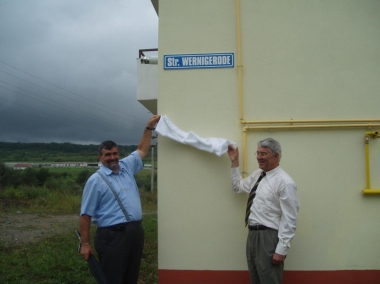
{"x": 9, "y": 193}
{"x": 83, "y": 177}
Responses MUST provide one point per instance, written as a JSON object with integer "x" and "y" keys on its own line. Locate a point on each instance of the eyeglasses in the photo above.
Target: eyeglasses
{"x": 262, "y": 154}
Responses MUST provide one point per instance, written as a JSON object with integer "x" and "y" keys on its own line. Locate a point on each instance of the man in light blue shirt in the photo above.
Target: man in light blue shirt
{"x": 119, "y": 238}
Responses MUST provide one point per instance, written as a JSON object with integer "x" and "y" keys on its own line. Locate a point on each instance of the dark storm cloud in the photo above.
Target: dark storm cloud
{"x": 68, "y": 69}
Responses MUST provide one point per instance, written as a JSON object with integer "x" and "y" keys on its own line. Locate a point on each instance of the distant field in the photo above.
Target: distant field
{"x": 57, "y": 152}
{"x": 77, "y": 170}
{"x": 73, "y": 171}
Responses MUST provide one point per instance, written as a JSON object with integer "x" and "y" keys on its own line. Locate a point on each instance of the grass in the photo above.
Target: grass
{"x": 55, "y": 259}
{"x": 62, "y": 195}
{"x": 149, "y": 262}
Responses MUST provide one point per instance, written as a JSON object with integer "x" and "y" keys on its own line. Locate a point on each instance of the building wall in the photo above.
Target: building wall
{"x": 302, "y": 60}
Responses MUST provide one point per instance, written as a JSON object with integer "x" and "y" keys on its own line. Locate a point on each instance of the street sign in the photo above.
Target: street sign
{"x": 196, "y": 61}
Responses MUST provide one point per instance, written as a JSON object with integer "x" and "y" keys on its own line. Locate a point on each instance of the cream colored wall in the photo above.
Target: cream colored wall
{"x": 302, "y": 60}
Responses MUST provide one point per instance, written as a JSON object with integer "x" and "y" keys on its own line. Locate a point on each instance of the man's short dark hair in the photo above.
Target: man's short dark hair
{"x": 108, "y": 145}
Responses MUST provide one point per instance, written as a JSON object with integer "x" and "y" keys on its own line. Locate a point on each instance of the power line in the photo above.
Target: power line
{"x": 37, "y": 115}
{"x": 124, "y": 114}
{"x": 56, "y": 85}
{"x": 82, "y": 113}
{"x": 55, "y": 92}
{"x": 50, "y": 115}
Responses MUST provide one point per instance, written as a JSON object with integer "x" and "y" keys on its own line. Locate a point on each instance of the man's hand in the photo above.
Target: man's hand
{"x": 278, "y": 259}
{"x": 233, "y": 154}
{"x": 153, "y": 121}
{"x": 84, "y": 224}
{"x": 85, "y": 251}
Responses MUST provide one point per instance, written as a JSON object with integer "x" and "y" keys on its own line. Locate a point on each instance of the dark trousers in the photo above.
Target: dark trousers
{"x": 120, "y": 250}
{"x": 261, "y": 245}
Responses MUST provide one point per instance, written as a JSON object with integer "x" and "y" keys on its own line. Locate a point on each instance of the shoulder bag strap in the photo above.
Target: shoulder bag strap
{"x": 116, "y": 196}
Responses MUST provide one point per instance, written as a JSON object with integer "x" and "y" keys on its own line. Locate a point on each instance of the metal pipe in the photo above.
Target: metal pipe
{"x": 239, "y": 60}
{"x": 371, "y": 191}
{"x": 310, "y": 121}
{"x": 244, "y": 173}
{"x": 372, "y": 134}
{"x": 300, "y": 124}
{"x": 312, "y": 126}
{"x": 368, "y": 190}
{"x": 315, "y": 126}
{"x": 367, "y": 169}
{"x": 152, "y": 169}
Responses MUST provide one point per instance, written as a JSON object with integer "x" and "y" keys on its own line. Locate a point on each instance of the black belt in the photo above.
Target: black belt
{"x": 257, "y": 227}
{"x": 120, "y": 227}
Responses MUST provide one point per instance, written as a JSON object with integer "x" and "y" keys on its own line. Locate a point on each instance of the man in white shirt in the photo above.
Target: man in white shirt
{"x": 272, "y": 210}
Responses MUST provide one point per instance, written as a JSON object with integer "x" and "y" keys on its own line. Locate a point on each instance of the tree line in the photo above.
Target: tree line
{"x": 34, "y": 183}
{"x": 55, "y": 152}
{"x": 37, "y": 177}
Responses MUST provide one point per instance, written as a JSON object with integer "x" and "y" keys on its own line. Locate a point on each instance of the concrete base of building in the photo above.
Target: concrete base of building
{"x": 290, "y": 277}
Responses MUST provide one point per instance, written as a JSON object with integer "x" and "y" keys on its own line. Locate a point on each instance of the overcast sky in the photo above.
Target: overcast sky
{"x": 68, "y": 69}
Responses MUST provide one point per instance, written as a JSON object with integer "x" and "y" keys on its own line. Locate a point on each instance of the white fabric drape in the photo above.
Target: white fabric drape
{"x": 217, "y": 146}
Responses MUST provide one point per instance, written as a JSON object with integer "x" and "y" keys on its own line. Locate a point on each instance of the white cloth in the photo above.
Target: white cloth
{"x": 218, "y": 146}
{"x": 275, "y": 205}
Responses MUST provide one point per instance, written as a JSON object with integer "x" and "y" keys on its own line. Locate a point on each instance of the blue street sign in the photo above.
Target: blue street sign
{"x": 204, "y": 60}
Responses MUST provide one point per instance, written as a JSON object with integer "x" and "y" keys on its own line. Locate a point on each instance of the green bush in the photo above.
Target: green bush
{"x": 83, "y": 177}
{"x": 42, "y": 174}
{"x": 143, "y": 180}
{"x": 9, "y": 193}
{"x": 26, "y": 192}
{"x": 54, "y": 184}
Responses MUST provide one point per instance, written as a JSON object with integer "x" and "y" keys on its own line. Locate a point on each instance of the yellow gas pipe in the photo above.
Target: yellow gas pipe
{"x": 239, "y": 63}
{"x": 310, "y": 126}
{"x": 302, "y": 124}
{"x": 244, "y": 152}
{"x": 367, "y": 169}
{"x": 368, "y": 190}
{"x": 291, "y": 121}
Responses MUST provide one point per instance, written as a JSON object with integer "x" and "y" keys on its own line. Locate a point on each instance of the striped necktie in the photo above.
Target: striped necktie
{"x": 251, "y": 196}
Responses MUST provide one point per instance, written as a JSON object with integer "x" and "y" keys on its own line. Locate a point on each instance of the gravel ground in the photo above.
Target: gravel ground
{"x": 19, "y": 228}
{"x": 16, "y": 229}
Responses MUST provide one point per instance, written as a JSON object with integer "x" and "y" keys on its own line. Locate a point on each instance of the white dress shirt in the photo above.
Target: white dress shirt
{"x": 275, "y": 205}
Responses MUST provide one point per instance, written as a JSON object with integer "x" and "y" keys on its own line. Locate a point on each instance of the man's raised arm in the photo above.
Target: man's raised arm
{"x": 144, "y": 144}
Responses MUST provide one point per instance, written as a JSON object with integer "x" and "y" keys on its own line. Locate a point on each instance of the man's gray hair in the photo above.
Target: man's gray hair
{"x": 273, "y": 146}
{"x": 108, "y": 145}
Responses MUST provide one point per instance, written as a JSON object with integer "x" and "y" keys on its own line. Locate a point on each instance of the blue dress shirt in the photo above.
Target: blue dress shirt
{"x": 100, "y": 203}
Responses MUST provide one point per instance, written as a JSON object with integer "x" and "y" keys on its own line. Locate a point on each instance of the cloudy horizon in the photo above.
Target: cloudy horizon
{"x": 68, "y": 70}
